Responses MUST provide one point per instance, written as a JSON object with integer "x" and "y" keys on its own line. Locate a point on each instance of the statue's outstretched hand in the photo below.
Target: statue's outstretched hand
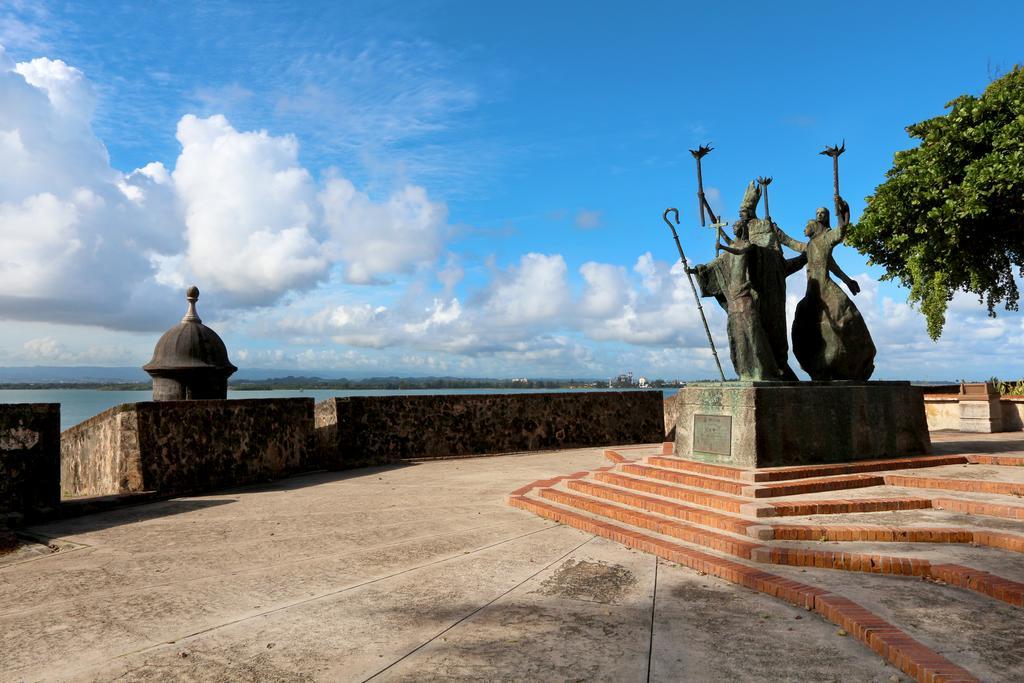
{"x": 842, "y": 211}
{"x": 854, "y": 287}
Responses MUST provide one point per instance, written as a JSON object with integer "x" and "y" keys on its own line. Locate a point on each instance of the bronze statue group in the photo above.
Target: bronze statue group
{"x": 748, "y": 278}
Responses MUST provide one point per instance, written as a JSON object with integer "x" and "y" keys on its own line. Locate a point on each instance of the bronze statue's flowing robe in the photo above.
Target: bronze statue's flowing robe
{"x": 768, "y": 272}
{"x": 728, "y": 278}
{"x": 830, "y": 338}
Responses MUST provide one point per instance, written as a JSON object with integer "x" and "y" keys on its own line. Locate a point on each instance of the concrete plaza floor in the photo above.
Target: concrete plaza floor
{"x": 418, "y": 572}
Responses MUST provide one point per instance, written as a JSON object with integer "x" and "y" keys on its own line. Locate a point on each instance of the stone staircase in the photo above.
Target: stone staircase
{"x": 725, "y": 522}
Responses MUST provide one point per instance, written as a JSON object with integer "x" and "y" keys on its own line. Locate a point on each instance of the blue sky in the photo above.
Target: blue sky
{"x": 451, "y": 187}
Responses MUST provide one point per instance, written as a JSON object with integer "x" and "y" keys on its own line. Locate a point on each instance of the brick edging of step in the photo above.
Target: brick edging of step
{"x": 698, "y": 481}
{"x": 670, "y": 508}
{"x": 697, "y": 467}
{"x": 541, "y": 483}
{"x": 773, "y": 474}
{"x": 615, "y": 456}
{"x": 833, "y": 506}
{"x": 695, "y": 496}
{"x": 689, "y": 533}
{"x": 977, "y": 507}
{"x": 796, "y": 532}
{"x": 895, "y": 645}
{"x": 793, "y": 488}
{"x": 795, "y": 472}
{"x": 965, "y": 485}
{"x": 1010, "y": 591}
{"x": 990, "y": 459}
{"x": 990, "y": 585}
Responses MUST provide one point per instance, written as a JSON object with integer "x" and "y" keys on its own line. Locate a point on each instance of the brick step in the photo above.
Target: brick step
{"x": 977, "y": 507}
{"x": 720, "y": 471}
{"x": 986, "y": 459}
{"x": 840, "y": 483}
{"x": 805, "y": 471}
{"x": 799, "y": 532}
{"x": 883, "y": 534}
{"x": 687, "y": 513}
{"x": 734, "y": 488}
{"x": 694, "y": 496}
{"x": 615, "y": 456}
{"x": 667, "y": 527}
{"x": 983, "y": 582}
{"x": 967, "y": 485}
{"x": 910, "y": 656}
{"x": 890, "y": 534}
{"x": 987, "y": 584}
{"x": 802, "y": 557}
{"x": 871, "y": 533}
{"x": 798, "y": 508}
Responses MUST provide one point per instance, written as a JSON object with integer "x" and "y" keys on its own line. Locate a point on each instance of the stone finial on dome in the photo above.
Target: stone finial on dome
{"x": 190, "y": 360}
{"x": 192, "y": 296}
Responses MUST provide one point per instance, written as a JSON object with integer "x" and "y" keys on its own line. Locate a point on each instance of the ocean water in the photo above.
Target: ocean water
{"x": 77, "y": 405}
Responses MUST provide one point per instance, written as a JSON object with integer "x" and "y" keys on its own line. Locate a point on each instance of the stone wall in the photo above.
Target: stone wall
{"x": 371, "y": 430}
{"x": 943, "y": 412}
{"x": 29, "y": 459}
{"x": 173, "y": 447}
{"x": 1013, "y": 413}
{"x": 671, "y": 409}
{"x": 100, "y": 456}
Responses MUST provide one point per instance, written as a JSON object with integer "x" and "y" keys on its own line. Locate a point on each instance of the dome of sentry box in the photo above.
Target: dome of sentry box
{"x": 190, "y": 360}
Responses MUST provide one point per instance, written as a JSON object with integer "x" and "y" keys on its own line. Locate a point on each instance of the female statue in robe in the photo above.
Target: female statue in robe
{"x": 830, "y": 339}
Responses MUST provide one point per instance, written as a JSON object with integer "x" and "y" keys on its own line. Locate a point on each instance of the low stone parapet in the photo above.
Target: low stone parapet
{"x": 29, "y": 460}
{"x": 945, "y": 412}
{"x": 942, "y": 411}
{"x": 173, "y": 447}
{"x": 671, "y": 413}
{"x": 372, "y": 430}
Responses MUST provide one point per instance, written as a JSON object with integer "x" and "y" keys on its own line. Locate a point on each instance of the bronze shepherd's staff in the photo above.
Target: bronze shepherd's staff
{"x": 686, "y": 267}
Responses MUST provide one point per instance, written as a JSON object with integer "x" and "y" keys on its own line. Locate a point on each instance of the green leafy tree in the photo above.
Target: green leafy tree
{"x": 950, "y": 215}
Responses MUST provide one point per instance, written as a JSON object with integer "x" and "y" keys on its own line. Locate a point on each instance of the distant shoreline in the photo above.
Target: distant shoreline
{"x": 384, "y": 384}
{"x": 291, "y": 384}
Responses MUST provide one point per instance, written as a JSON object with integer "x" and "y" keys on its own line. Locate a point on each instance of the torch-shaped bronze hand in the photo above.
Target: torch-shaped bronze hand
{"x": 764, "y": 183}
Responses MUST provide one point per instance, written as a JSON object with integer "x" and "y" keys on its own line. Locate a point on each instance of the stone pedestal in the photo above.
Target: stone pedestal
{"x": 980, "y": 409}
{"x": 768, "y": 424}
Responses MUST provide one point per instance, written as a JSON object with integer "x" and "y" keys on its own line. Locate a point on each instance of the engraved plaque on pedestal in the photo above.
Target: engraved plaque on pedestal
{"x": 712, "y": 434}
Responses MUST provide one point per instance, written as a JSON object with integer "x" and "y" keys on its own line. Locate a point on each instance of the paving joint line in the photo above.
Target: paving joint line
{"x": 654, "y": 600}
{"x": 236, "y": 572}
{"x": 329, "y": 594}
{"x": 43, "y": 541}
{"x": 478, "y": 609}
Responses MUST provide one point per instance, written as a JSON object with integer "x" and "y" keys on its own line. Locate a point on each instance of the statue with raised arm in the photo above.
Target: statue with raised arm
{"x": 830, "y": 338}
{"x": 749, "y": 347}
{"x": 766, "y": 270}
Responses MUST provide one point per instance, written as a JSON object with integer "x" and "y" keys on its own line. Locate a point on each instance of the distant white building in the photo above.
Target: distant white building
{"x": 622, "y": 381}
{"x": 642, "y": 382}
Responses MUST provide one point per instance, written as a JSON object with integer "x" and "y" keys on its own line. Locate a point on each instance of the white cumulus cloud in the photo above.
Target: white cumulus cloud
{"x": 376, "y": 240}
{"x": 533, "y": 292}
{"x": 237, "y": 214}
{"x": 250, "y": 209}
